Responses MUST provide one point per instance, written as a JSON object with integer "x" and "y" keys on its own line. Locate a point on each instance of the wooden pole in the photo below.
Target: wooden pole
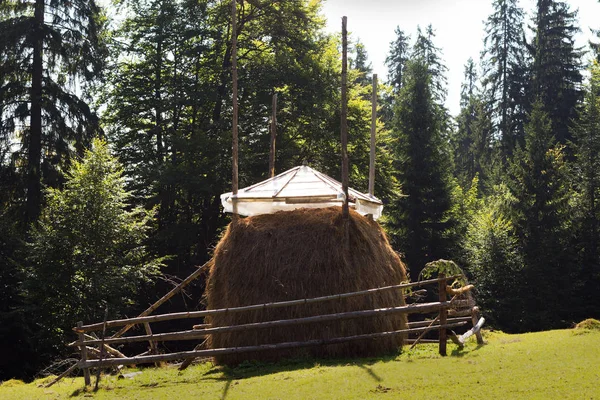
{"x": 234, "y": 350}
{"x": 98, "y": 370}
{"x": 443, "y": 315}
{"x": 234, "y": 155}
{"x": 199, "y": 333}
{"x": 206, "y": 313}
{"x": 273, "y": 137}
{"x": 163, "y": 299}
{"x": 86, "y": 370}
{"x": 373, "y": 128}
{"x": 344, "y": 117}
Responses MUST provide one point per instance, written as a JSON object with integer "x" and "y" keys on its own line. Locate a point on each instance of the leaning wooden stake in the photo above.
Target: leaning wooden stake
{"x": 443, "y": 315}
{"x": 234, "y": 155}
{"x": 273, "y": 137}
{"x": 86, "y": 369}
{"x": 164, "y": 299}
{"x": 344, "y": 118}
{"x": 373, "y": 128}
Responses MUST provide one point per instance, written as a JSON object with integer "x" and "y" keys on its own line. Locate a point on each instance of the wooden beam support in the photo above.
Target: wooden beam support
{"x": 234, "y": 125}
{"x": 273, "y": 136}
{"x": 373, "y": 134}
{"x": 344, "y": 117}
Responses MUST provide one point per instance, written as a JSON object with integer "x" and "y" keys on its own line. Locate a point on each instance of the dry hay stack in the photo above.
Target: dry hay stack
{"x": 298, "y": 254}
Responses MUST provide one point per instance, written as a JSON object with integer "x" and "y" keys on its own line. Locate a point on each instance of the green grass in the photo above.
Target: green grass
{"x": 563, "y": 364}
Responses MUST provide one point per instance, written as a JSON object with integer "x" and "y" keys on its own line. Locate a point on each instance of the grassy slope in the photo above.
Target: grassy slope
{"x": 561, "y": 364}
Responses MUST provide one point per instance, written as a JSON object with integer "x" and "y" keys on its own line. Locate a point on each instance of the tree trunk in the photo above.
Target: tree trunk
{"x": 34, "y": 153}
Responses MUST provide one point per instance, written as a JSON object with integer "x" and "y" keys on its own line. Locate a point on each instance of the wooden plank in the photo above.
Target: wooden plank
{"x": 160, "y": 301}
{"x": 443, "y": 315}
{"x": 373, "y": 129}
{"x": 205, "y": 313}
{"x": 234, "y": 350}
{"x": 200, "y": 333}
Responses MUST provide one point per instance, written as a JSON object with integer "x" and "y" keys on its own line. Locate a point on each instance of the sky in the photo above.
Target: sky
{"x": 459, "y": 27}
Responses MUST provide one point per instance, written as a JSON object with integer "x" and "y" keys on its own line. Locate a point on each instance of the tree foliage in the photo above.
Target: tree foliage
{"x": 88, "y": 251}
{"x": 50, "y": 52}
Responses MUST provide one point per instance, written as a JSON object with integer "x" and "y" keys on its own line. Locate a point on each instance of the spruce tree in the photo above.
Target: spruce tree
{"x": 556, "y": 70}
{"x": 419, "y": 220}
{"x": 586, "y": 171}
{"x": 538, "y": 182}
{"x": 472, "y": 139}
{"x": 53, "y": 48}
{"x": 396, "y": 60}
{"x": 425, "y": 49}
{"x": 504, "y": 72}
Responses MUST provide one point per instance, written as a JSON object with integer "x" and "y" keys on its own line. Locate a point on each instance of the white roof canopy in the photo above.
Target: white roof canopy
{"x": 299, "y": 187}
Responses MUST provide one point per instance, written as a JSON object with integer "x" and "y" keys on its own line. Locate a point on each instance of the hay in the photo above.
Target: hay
{"x": 298, "y": 254}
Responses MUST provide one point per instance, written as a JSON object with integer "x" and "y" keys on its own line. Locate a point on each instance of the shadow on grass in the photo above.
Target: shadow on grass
{"x": 461, "y": 352}
{"x": 250, "y": 369}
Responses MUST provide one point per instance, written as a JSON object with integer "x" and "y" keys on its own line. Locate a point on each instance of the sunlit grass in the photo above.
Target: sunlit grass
{"x": 561, "y": 364}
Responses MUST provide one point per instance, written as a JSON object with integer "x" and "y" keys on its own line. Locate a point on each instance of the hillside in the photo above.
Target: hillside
{"x": 561, "y": 364}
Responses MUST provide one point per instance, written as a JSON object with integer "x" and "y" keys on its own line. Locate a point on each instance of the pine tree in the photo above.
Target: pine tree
{"x": 504, "y": 72}
{"x": 419, "y": 221}
{"x": 53, "y": 47}
{"x": 556, "y": 69}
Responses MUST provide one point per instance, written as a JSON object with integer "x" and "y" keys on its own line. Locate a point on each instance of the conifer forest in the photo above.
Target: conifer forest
{"x": 115, "y": 146}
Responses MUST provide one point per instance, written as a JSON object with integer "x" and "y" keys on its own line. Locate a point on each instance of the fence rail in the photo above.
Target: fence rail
{"x": 208, "y": 313}
{"x": 441, "y": 323}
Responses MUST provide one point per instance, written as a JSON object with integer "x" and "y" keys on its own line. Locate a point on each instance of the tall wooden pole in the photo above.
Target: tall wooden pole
{"x": 234, "y": 163}
{"x": 373, "y": 128}
{"x": 344, "y": 117}
{"x": 273, "y": 137}
{"x": 443, "y": 315}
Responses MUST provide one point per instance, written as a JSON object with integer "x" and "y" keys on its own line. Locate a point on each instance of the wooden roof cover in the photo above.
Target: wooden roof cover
{"x": 299, "y": 187}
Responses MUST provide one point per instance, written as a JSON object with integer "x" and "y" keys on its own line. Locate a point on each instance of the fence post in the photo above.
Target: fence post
{"x": 86, "y": 370}
{"x": 443, "y": 314}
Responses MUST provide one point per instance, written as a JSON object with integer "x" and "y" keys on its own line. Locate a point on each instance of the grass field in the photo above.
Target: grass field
{"x": 562, "y": 364}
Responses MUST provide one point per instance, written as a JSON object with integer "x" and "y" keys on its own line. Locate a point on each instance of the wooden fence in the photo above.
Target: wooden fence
{"x": 458, "y": 311}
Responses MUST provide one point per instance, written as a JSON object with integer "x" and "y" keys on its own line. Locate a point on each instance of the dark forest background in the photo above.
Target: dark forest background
{"x": 115, "y": 145}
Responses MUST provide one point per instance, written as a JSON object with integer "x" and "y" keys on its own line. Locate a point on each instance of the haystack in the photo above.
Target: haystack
{"x": 298, "y": 254}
